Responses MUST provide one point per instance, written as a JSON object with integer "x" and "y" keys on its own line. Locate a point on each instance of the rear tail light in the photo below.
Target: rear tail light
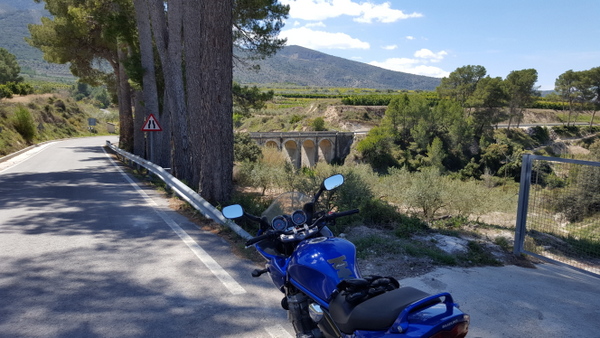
{"x": 459, "y": 330}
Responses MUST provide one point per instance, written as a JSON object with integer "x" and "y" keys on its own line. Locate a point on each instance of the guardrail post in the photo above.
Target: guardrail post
{"x": 524, "y": 187}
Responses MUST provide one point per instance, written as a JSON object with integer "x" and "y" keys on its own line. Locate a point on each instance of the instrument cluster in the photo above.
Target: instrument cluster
{"x": 284, "y": 222}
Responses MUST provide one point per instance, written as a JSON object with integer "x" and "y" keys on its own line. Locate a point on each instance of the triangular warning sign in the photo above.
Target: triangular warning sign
{"x": 151, "y": 124}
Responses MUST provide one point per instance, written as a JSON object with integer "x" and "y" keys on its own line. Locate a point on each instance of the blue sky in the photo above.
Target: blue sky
{"x": 434, "y": 37}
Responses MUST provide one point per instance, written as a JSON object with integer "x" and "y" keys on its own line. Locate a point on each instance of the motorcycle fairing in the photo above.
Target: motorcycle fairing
{"x": 319, "y": 264}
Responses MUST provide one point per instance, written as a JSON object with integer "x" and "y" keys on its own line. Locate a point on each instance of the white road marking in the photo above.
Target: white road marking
{"x": 22, "y": 157}
{"x": 277, "y": 331}
{"x": 225, "y": 278}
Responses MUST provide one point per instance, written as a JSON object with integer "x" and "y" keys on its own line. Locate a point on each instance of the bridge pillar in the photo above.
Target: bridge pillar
{"x": 308, "y": 148}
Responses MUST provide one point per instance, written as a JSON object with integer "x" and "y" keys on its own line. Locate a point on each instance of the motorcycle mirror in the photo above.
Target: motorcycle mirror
{"x": 233, "y": 211}
{"x": 333, "y": 182}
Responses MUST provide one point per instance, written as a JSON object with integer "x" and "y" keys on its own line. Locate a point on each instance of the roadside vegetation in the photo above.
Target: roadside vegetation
{"x": 48, "y": 117}
{"x": 431, "y": 163}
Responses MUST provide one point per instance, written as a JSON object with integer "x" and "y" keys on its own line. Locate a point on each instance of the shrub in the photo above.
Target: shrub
{"x": 318, "y": 124}
{"x": 376, "y": 149}
{"x": 24, "y": 124}
{"x": 5, "y": 92}
{"x": 296, "y": 118}
{"x": 540, "y": 134}
{"x": 244, "y": 149}
{"x": 426, "y": 192}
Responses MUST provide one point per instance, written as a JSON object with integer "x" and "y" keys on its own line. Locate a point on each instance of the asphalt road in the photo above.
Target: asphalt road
{"x": 549, "y": 301}
{"x": 84, "y": 253}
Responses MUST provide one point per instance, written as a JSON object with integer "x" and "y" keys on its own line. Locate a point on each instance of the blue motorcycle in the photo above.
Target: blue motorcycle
{"x": 325, "y": 294}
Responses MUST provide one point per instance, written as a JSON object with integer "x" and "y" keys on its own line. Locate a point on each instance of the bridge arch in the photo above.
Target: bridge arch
{"x": 272, "y": 144}
{"x": 326, "y": 150}
{"x": 309, "y": 153}
{"x": 290, "y": 148}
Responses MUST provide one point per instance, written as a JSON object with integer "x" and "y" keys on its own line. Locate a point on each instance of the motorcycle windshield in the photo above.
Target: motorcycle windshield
{"x": 286, "y": 204}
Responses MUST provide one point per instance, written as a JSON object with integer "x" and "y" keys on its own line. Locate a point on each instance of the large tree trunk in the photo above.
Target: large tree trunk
{"x": 125, "y": 113}
{"x": 149, "y": 97}
{"x": 182, "y": 157}
{"x": 168, "y": 44}
{"x": 193, "y": 75}
{"x": 139, "y": 142}
{"x": 216, "y": 110}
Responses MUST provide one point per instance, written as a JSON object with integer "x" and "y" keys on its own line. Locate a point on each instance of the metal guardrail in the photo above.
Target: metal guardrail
{"x": 558, "y": 217}
{"x": 183, "y": 191}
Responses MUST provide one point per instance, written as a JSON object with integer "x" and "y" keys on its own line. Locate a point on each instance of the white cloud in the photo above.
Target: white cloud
{"x": 418, "y": 65}
{"x": 364, "y": 12}
{"x": 314, "y": 39}
{"x": 410, "y": 37}
{"x": 383, "y": 13}
{"x": 316, "y": 24}
{"x": 390, "y": 47}
{"x": 429, "y": 55}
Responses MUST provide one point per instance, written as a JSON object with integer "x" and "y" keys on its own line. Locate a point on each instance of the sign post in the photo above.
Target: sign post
{"x": 151, "y": 124}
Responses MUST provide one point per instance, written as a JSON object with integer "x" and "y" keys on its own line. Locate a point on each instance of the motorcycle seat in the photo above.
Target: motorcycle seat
{"x": 375, "y": 314}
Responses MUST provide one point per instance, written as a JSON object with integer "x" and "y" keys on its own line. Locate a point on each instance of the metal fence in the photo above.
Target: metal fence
{"x": 558, "y": 216}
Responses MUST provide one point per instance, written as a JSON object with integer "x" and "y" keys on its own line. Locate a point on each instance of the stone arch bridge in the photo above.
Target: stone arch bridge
{"x": 305, "y": 149}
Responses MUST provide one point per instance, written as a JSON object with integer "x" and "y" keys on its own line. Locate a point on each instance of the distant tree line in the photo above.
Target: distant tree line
{"x": 455, "y": 130}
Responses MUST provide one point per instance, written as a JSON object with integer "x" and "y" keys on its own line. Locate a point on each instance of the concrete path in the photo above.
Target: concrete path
{"x": 511, "y": 301}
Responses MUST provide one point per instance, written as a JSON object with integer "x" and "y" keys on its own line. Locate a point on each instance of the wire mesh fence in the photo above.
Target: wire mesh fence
{"x": 559, "y": 211}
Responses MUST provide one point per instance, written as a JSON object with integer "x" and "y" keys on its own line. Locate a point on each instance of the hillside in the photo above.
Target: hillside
{"x": 305, "y": 67}
{"x": 15, "y": 15}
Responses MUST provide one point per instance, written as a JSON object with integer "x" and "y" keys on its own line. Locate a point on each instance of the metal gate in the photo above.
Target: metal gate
{"x": 558, "y": 216}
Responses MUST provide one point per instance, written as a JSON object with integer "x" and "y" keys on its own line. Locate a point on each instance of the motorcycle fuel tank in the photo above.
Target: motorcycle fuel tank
{"x": 319, "y": 264}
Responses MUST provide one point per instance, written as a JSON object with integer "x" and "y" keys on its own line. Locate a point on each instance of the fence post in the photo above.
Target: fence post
{"x": 524, "y": 186}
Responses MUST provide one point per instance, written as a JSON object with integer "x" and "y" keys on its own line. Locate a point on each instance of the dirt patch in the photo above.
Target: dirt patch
{"x": 27, "y": 98}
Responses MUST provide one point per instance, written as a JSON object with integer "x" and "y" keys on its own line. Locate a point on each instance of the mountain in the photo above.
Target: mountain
{"x": 15, "y": 15}
{"x": 291, "y": 65}
{"x": 305, "y": 67}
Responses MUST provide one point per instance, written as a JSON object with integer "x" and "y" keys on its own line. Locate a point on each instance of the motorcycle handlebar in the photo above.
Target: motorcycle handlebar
{"x": 270, "y": 234}
{"x": 341, "y": 214}
{"x": 261, "y": 238}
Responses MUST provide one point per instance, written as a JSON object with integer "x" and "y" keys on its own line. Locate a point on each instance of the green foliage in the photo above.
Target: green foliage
{"x": 436, "y": 154}
{"x": 461, "y": 84}
{"x": 435, "y": 254}
{"x": 318, "y": 124}
{"x": 471, "y": 170}
{"x": 368, "y": 100}
{"x": 376, "y": 149}
{"x": 9, "y": 68}
{"x": 98, "y": 96}
{"x": 581, "y": 197}
{"x": 373, "y": 245}
{"x": 540, "y": 134}
{"x": 566, "y": 130}
{"x": 5, "y": 92}
{"x": 248, "y": 99}
{"x": 258, "y": 23}
{"x": 479, "y": 256}
{"x": 245, "y": 149}
{"x": 409, "y": 225}
{"x": 295, "y": 119}
{"x": 545, "y": 103}
{"x": 386, "y": 99}
{"x": 24, "y": 124}
{"x": 426, "y": 192}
